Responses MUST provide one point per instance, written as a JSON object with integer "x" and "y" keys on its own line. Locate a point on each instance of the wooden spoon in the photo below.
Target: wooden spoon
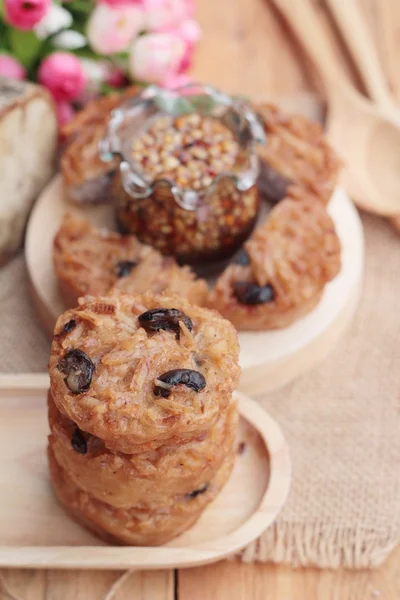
{"x": 353, "y": 29}
{"x": 359, "y": 131}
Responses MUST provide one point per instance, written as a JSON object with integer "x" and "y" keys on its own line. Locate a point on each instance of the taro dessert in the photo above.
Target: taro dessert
{"x": 142, "y": 418}
{"x": 296, "y": 158}
{"x": 135, "y": 526}
{"x": 281, "y": 273}
{"x": 94, "y": 262}
{"x": 126, "y": 479}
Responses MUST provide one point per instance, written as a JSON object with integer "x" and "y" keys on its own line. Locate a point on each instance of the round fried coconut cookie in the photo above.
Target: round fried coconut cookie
{"x": 158, "y": 273}
{"x": 281, "y": 274}
{"x": 134, "y": 526}
{"x": 87, "y": 179}
{"x": 296, "y": 158}
{"x": 89, "y": 261}
{"x": 141, "y": 371}
{"x": 152, "y": 479}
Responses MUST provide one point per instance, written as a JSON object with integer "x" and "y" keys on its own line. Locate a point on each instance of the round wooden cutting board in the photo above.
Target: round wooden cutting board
{"x": 268, "y": 359}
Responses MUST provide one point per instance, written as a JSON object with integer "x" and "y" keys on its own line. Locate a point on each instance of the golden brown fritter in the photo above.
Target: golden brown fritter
{"x": 285, "y": 267}
{"x": 140, "y": 379}
{"x": 151, "y": 479}
{"x": 297, "y": 158}
{"x": 134, "y": 526}
{"x": 94, "y": 262}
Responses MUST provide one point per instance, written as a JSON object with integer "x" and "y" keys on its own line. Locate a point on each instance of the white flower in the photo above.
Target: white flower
{"x": 156, "y": 56}
{"x": 69, "y": 40}
{"x": 111, "y": 29}
{"x": 96, "y": 71}
{"x": 56, "y": 19}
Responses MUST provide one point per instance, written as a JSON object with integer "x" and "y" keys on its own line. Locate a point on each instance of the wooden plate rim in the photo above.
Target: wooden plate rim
{"x": 99, "y": 557}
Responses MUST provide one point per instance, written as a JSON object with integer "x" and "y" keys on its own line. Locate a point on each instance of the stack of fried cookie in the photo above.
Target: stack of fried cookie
{"x": 142, "y": 418}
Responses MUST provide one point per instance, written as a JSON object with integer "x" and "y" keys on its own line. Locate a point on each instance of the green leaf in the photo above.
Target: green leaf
{"x": 86, "y": 52}
{"x": 121, "y": 56}
{"x": 106, "y": 89}
{"x": 25, "y": 46}
{"x": 80, "y": 8}
{"x": 3, "y": 37}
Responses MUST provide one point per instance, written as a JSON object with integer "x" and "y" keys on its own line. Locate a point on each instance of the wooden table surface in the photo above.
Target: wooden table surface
{"x": 246, "y": 49}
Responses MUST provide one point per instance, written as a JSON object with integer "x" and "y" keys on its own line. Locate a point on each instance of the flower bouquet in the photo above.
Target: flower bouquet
{"x": 79, "y": 49}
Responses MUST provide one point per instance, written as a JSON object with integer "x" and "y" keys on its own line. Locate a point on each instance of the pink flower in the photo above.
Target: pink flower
{"x": 178, "y": 24}
{"x": 167, "y": 14}
{"x": 25, "y": 14}
{"x": 62, "y": 73}
{"x": 65, "y": 113}
{"x": 155, "y": 57}
{"x": 189, "y": 31}
{"x": 112, "y": 28}
{"x": 10, "y": 67}
{"x": 116, "y": 77}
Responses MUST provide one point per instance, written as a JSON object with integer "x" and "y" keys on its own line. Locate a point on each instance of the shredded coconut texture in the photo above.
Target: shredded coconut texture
{"x": 120, "y": 405}
{"x": 89, "y": 261}
{"x": 297, "y": 252}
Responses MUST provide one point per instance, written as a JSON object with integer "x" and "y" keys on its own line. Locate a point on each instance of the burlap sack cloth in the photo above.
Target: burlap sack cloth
{"x": 342, "y": 421}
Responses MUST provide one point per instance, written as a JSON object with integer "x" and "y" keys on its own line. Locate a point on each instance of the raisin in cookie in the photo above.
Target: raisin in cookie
{"x": 283, "y": 270}
{"x": 135, "y": 526}
{"x": 296, "y": 158}
{"x": 152, "y": 479}
{"x": 89, "y": 261}
{"x": 139, "y": 372}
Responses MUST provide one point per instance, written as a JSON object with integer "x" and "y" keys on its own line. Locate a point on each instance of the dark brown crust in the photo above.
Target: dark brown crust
{"x": 296, "y": 252}
{"x": 299, "y": 155}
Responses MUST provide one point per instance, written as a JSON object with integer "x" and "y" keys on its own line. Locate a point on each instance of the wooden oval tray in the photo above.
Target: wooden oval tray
{"x": 35, "y": 532}
{"x": 268, "y": 359}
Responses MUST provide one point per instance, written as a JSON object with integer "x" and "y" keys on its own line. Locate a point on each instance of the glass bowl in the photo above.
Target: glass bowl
{"x": 197, "y": 223}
